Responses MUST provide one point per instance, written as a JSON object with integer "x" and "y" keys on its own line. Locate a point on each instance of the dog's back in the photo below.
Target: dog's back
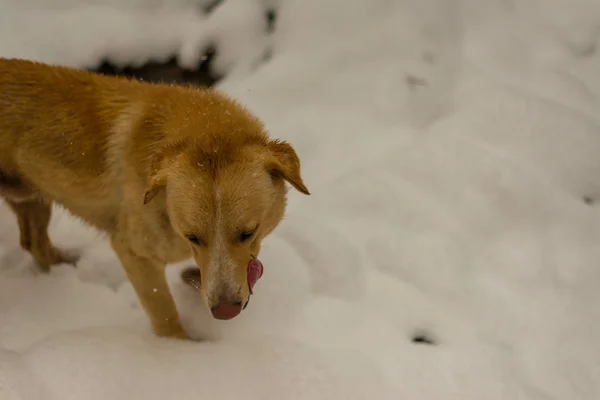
{"x": 37, "y": 103}
{"x": 55, "y": 129}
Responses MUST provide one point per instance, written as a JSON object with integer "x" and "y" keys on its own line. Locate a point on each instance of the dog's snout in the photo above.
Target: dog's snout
{"x": 226, "y": 311}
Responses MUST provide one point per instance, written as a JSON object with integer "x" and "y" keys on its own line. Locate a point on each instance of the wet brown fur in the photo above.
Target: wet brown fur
{"x": 148, "y": 164}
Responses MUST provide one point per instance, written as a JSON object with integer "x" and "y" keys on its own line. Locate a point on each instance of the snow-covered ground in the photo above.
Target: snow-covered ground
{"x": 452, "y": 148}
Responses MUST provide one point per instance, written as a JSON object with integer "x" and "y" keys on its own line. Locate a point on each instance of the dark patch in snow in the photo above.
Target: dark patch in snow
{"x": 271, "y": 17}
{"x": 414, "y": 81}
{"x": 423, "y": 338}
{"x": 170, "y": 71}
{"x": 210, "y": 7}
{"x": 588, "y": 200}
{"x": 167, "y": 72}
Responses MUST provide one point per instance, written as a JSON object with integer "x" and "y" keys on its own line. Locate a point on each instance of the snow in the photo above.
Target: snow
{"x": 132, "y": 32}
{"x": 448, "y": 147}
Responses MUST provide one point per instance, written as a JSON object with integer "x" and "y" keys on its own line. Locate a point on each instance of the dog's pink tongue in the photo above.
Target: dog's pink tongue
{"x": 255, "y": 271}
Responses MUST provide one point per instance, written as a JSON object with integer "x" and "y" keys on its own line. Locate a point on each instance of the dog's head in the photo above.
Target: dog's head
{"x": 224, "y": 194}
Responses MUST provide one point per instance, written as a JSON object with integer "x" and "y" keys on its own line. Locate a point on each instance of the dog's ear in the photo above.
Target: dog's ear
{"x": 157, "y": 179}
{"x": 283, "y": 162}
{"x": 156, "y": 185}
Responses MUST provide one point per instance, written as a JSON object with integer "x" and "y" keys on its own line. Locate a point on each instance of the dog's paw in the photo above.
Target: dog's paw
{"x": 170, "y": 331}
{"x": 58, "y": 257}
{"x": 53, "y": 257}
{"x": 175, "y": 336}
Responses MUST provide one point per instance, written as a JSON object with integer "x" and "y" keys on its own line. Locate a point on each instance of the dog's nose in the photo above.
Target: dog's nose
{"x": 226, "y": 311}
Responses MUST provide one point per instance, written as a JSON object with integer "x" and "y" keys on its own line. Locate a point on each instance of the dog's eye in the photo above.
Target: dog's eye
{"x": 246, "y": 235}
{"x": 195, "y": 240}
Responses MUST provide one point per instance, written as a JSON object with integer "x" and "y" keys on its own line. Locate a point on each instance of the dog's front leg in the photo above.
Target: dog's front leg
{"x": 148, "y": 279}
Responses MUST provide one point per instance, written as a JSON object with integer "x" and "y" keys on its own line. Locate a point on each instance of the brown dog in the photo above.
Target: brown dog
{"x": 166, "y": 171}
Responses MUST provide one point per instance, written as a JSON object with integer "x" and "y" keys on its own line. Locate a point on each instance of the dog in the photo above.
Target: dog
{"x": 167, "y": 172}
